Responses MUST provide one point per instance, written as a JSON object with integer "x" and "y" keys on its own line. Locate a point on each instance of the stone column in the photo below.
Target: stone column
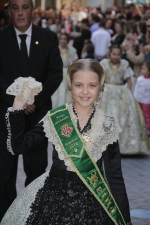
{"x": 33, "y": 2}
{"x": 58, "y": 4}
{"x": 42, "y": 5}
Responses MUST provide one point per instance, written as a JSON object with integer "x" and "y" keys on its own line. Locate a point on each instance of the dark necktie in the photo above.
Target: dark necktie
{"x": 23, "y": 50}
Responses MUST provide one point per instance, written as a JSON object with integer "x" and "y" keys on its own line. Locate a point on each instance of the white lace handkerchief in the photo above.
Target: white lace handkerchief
{"x": 25, "y": 88}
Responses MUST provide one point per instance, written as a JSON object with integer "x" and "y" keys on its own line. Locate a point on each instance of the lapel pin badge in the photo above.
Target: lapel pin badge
{"x": 37, "y": 43}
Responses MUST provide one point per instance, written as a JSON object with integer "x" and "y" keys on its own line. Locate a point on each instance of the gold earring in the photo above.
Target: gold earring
{"x": 72, "y": 97}
{"x": 98, "y": 100}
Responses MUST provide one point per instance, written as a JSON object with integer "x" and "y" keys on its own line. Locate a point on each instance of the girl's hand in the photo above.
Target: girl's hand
{"x": 129, "y": 83}
{"x": 18, "y": 104}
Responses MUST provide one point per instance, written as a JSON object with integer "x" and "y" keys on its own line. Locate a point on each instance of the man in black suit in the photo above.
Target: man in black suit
{"x": 25, "y": 50}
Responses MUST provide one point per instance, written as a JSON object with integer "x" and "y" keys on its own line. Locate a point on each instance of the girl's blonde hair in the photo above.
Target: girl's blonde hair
{"x": 83, "y": 65}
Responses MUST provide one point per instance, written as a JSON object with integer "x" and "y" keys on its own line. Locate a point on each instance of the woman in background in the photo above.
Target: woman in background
{"x": 109, "y": 26}
{"x": 51, "y": 24}
{"x": 68, "y": 55}
{"x": 119, "y": 35}
{"x": 85, "y": 35}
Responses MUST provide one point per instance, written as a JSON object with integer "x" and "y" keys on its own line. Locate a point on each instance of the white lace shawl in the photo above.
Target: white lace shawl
{"x": 104, "y": 131}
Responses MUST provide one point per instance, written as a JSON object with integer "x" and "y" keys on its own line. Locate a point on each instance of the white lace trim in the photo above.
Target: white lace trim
{"x": 25, "y": 88}
{"x": 50, "y": 134}
{"x": 8, "y": 142}
{"x": 16, "y": 216}
{"x": 104, "y": 131}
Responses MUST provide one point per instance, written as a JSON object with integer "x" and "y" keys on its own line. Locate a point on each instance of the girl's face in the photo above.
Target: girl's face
{"x": 115, "y": 55}
{"x": 85, "y": 88}
{"x": 144, "y": 71}
{"x": 118, "y": 28}
{"x": 63, "y": 41}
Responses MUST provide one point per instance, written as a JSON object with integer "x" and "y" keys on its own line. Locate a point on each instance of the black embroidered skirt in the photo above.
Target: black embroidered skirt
{"x": 65, "y": 200}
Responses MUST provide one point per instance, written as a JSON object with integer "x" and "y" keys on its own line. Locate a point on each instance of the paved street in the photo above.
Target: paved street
{"x": 136, "y": 171}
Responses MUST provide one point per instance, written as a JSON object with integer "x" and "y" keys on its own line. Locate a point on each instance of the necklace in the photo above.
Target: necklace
{"x": 114, "y": 67}
{"x": 82, "y": 117}
{"x": 85, "y": 131}
{"x": 87, "y": 127}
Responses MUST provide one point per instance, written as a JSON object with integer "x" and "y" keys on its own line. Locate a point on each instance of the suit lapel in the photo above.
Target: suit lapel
{"x": 35, "y": 49}
{"x": 14, "y": 49}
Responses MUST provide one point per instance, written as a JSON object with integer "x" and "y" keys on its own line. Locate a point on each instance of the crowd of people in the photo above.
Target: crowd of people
{"x": 97, "y": 62}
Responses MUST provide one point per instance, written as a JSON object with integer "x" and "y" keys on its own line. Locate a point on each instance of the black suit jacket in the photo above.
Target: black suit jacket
{"x": 45, "y": 65}
{"x": 119, "y": 39}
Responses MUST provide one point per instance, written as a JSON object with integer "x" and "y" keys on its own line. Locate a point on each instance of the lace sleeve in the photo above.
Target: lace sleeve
{"x": 128, "y": 73}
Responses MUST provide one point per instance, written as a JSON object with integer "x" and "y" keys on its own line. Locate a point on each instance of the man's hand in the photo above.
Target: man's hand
{"x": 30, "y": 109}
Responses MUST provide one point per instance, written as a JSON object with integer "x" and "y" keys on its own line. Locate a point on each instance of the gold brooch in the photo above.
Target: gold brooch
{"x": 86, "y": 137}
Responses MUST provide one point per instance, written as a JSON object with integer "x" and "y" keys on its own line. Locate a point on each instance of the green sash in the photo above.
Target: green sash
{"x": 77, "y": 153}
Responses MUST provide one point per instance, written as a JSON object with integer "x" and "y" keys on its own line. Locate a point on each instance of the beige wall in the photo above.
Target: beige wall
{"x": 92, "y": 3}
{"x": 83, "y": 3}
{"x": 103, "y": 3}
{"x": 74, "y": 2}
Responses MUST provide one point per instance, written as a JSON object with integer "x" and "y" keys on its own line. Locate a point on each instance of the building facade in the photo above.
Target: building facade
{"x": 94, "y": 3}
{"x": 58, "y": 3}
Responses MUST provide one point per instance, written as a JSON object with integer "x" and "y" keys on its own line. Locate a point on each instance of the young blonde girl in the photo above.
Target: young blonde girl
{"x": 85, "y": 184}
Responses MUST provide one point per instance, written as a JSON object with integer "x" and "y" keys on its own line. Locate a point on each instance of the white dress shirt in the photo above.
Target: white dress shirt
{"x": 101, "y": 40}
{"x": 142, "y": 90}
{"x": 28, "y": 38}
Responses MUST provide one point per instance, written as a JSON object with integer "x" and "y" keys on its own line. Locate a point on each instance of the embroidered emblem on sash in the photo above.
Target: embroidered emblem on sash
{"x": 93, "y": 179}
{"x": 66, "y": 131}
